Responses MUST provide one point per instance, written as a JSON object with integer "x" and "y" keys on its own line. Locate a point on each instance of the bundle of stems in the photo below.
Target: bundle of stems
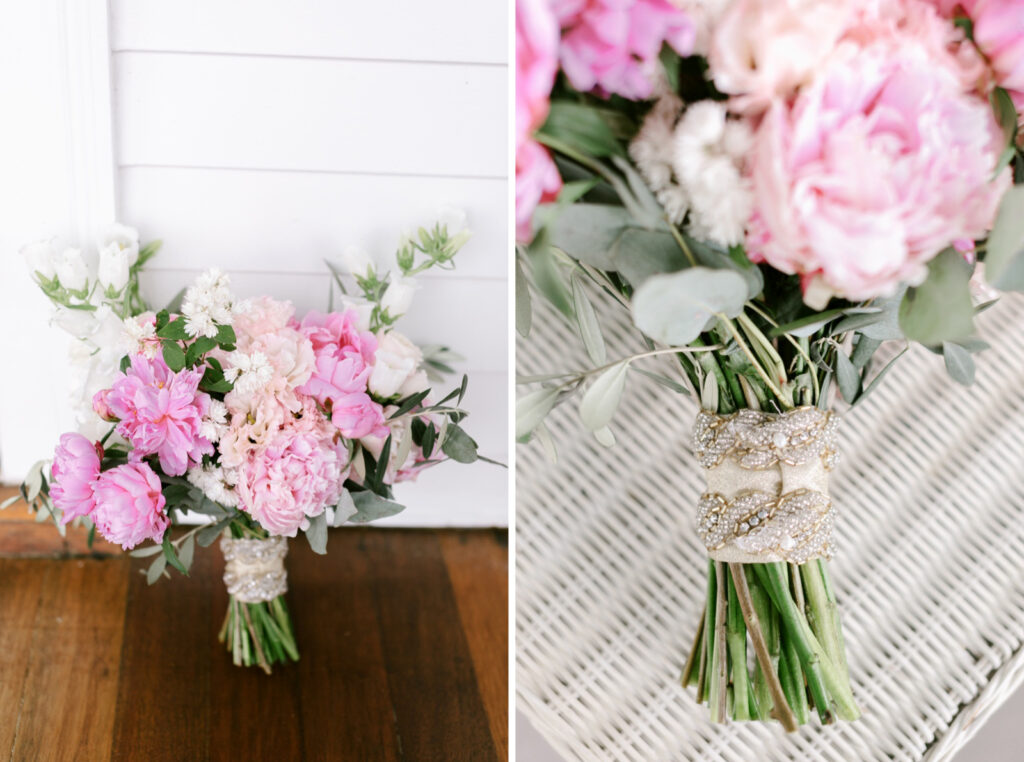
{"x": 257, "y": 634}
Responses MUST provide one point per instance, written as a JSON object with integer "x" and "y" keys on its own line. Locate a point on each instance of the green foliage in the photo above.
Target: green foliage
{"x": 674, "y": 309}
{"x": 939, "y": 309}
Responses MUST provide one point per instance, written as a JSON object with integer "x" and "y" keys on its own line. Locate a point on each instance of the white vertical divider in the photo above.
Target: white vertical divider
{"x": 56, "y": 150}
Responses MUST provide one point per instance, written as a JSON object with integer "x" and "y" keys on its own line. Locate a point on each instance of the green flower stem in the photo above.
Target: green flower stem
{"x": 259, "y": 634}
{"x": 736, "y": 635}
{"x": 812, "y": 656}
{"x": 792, "y": 682}
{"x": 823, "y": 613}
{"x": 689, "y": 676}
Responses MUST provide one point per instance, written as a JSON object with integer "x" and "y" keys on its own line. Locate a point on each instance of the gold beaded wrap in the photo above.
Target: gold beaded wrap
{"x": 254, "y": 569}
{"x": 767, "y": 484}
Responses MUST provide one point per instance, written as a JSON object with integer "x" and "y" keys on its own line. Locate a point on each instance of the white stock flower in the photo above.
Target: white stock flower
{"x": 709, "y": 154}
{"x": 395, "y": 361}
{"x": 120, "y": 238}
{"x": 41, "y": 258}
{"x": 71, "y": 269}
{"x": 398, "y": 296}
{"x": 113, "y": 269}
{"x": 248, "y": 373}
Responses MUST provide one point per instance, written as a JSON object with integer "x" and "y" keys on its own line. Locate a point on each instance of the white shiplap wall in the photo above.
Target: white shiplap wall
{"x": 265, "y": 137}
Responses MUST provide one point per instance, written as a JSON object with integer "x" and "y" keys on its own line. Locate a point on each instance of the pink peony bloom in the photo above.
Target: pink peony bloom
{"x": 76, "y": 464}
{"x": 130, "y": 505}
{"x": 537, "y": 177}
{"x": 537, "y": 181}
{"x": 999, "y": 34}
{"x": 344, "y": 362}
{"x": 161, "y": 413}
{"x": 297, "y": 476}
{"x": 612, "y": 46}
{"x": 766, "y": 49}
{"x": 876, "y": 166}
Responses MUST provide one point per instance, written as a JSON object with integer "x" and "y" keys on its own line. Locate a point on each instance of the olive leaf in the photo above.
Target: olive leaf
{"x": 598, "y": 406}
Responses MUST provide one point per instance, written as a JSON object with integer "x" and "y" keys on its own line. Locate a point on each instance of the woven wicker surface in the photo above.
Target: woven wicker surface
{"x": 929, "y": 573}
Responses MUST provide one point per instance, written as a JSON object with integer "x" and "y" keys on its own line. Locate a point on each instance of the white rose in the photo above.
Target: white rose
{"x": 398, "y": 296}
{"x": 114, "y": 264}
{"x": 121, "y": 238}
{"x": 357, "y": 261}
{"x": 71, "y": 270}
{"x": 40, "y": 257}
{"x": 396, "y": 360}
{"x": 417, "y": 382}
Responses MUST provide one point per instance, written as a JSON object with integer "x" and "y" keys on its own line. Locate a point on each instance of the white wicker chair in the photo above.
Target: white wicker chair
{"x": 610, "y": 575}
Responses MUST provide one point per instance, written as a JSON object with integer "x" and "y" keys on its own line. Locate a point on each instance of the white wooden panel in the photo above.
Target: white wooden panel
{"x": 288, "y": 221}
{"x": 311, "y": 114}
{"x": 408, "y": 30}
{"x": 468, "y": 315}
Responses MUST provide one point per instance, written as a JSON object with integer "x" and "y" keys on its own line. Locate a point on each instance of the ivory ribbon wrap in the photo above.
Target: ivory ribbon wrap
{"x": 767, "y": 495}
{"x": 255, "y": 571}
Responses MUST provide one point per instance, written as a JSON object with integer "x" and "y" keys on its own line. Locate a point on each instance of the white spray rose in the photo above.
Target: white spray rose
{"x": 398, "y": 297}
{"x": 40, "y": 258}
{"x": 120, "y": 238}
{"x": 114, "y": 264}
{"x": 71, "y": 269}
{"x": 396, "y": 360}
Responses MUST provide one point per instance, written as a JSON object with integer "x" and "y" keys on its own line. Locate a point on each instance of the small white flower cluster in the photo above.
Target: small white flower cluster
{"x": 209, "y": 303}
{"x": 215, "y": 422}
{"x": 693, "y": 164}
{"x": 249, "y": 373}
{"x": 216, "y": 483}
{"x": 140, "y": 334}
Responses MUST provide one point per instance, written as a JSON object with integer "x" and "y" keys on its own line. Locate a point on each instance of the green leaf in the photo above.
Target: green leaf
{"x": 156, "y": 569}
{"x": 345, "y": 509}
{"x": 524, "y": 305}
{"x": 174, "y": 330}
{"x": 458, "y": 445}
{"x": 1006, "y": 114}
{"x": 847, "y": 377}
{"x": 126, "y": 362}
{"x": 171, "y": 555}
{"x": 939, "y": 309}
{"x": 429, "y": 437}
{"x": 673, "y": 309}
{"x": 1005, "y": 248}
{"x": 881, "y": 374}
{"x": 174, "y": 356}
{"x": 546, "y": 275}
{"x": 605, "y": 437}
{"x": 371, "y": 506}
{"x": 668, "y": 383}
{"x": 808, "y": 324}
{"x": 598, "y": 406}
{"x": 187, "y": 552}
{"x": 198, "y": 348}
{"x": 586, "y": 320}
{"x": 582, "y": 128}
{"x": 146, "y": 552}
{"x": 959, "y": 363}
{"x": 317, "y": 533}
{"x": 409, "y": 403}
{"x": 226, "y": 335}
{"x": 209, "y": 534}
{"x": 532, "y": 408}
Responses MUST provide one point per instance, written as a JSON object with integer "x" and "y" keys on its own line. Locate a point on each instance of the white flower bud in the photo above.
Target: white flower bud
{"x": 40, "y": 258}
{"x": 357, "y": 261}
{"x": 121, "y": 237}
{"x": 71, "y": 270}
{"x": 114, "y": 264}
{"x": 398, "y": 296}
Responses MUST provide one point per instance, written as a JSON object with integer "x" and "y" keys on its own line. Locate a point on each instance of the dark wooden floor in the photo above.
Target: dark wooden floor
{"x": 403, "y": 635}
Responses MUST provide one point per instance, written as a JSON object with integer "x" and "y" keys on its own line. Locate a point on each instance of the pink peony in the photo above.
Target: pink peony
{"x": 612, "y": 46}
{"x": 537, "y": 177}
{"x": 130, "y": 505}
{"x": 76, "y": 464}
{"x": 766, "y": 49}
{"x": 876, "y": 166}
{"x": 537, "y": 181}
{"x": 161, "y": 413}
{"x": 999, "y": 34}
{"x": 295, "y": 477}
{"x": 344, "y": 362}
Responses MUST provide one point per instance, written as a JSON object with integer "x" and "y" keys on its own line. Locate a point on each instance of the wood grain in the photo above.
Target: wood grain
{"x": 403, "y": 657}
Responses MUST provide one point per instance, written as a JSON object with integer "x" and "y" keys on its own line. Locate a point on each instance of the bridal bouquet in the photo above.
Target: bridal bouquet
{"x": 772, "y": 188}
{"x": 236, "y": 411}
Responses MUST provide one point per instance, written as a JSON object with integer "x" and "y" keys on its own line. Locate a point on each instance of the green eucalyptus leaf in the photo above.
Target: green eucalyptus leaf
{"x": 156, "y": 569}
{"x": 146, "y": 552}
{"x": 524, "y": 306}
{"x": 1005, "y": 248}
{"x": 598, "y": 406}
{"x": 673, "y": 309}
{"x": 316, "y": 534}
{"x": 939, "y": 309}
{"x": 532, "y": 408}
{"x": 847, "y": 377}
{"x": 959, "y": 363}
{"x": 209, "y": 534}
{"x": 187, "y": 551}
{"x": 458, "y": 445}
{"x": 345, "y": 509}
{"x": 371, "y": 506}
{"x": 586, "y": 320}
